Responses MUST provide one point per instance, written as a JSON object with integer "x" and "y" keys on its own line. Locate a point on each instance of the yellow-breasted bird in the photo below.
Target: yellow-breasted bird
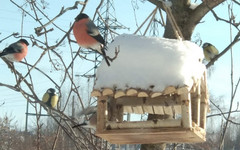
{"x": 50, "y": 98}
{"x": 209, "y": 51}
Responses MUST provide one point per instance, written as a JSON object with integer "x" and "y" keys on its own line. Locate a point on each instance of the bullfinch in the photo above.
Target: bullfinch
{"x": 16, "y": 51}
{"x": 50, "y": 98}
{"x": 209, "y": 51}
{"x": 88, "y": 36}
{"x": 92, "y": 121}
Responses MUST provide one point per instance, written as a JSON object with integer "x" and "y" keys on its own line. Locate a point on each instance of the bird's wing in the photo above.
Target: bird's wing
{"x": 15, "y": 47}
{"x": 45, "y": 97}
{"x": 214, "y": 50}
{"x": 54, "y": 100}
{"x": 94, "y": 32}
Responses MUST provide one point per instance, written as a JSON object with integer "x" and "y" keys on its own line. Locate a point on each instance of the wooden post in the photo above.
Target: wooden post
{"x": 186, "y": 109}
{"x": 204, "y": 102}
{"x": 101, "y": 113}
{"x": 195, "y": 99}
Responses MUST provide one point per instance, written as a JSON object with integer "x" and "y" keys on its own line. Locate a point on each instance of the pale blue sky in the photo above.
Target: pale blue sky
{"x": 210, "y": 30}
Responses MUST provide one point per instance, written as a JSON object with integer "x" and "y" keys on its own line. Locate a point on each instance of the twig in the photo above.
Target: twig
{"x": 117, "y": 50}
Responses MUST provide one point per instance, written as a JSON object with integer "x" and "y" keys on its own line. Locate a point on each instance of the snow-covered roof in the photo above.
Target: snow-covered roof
{"x": 150, "y": 63}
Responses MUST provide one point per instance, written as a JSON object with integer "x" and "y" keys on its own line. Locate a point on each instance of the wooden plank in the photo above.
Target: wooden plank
{"x": 96, "y": 93}
{"x": 137, "y": 109}
{"x": 144, "y": 124}
{"x": 129, "y": 101}
{"x": 142, "y": 94}
{"x": 107, "y": 92}
{"x": 101, "y": 114}
{"x": 186, "y": 110}
{"x": 158, "y": 101}
{"x": 148, "y": 109}
{"x": 158, "y": 110}
{"x": 131, "y": 92}
{"x": 169, "y": 90}
{"x": 153, "y": 135}
{"x": 119, "y": 93}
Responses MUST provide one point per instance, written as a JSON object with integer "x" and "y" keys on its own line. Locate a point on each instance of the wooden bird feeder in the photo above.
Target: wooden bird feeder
{"x": 188, "y": 105}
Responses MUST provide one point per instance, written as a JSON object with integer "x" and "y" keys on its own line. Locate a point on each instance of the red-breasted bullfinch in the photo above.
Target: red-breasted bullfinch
{"x": 16, "y": 51}
{"x": 88, "y": 36}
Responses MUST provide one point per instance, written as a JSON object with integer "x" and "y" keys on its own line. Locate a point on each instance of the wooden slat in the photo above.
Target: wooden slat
{"x": 119, "y": 93}
{"x": 158, "y": 110}
{"x": 168, "y": 110}
{"x": 145, "y": 124}
{"x": 158, "y": 101}
{"x": 107, "y": 92}
{"x": 148, "y": 109}
{"x": 131, "y": 92}
{"x": 137, "y": 109}
{"x": 127, "y": 109}
{"x": 96, "y": 93}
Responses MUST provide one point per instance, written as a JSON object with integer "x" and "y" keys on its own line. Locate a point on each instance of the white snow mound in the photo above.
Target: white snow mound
{"x": 146, "y": 62}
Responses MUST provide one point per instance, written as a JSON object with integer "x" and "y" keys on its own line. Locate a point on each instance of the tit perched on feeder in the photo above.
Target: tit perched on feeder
{"x": 50, "y": 98}
{"x": 92, "y": 121}
{"x": 16, "y": 51}
{"x": 209, "y": 51}
{"x": 88, "y": 36}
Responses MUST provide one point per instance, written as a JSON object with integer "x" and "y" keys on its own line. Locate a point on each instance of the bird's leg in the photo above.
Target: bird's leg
{"x": 117, "y": 50}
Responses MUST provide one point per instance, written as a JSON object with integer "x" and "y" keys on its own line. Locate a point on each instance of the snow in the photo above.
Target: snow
{"x": 150, "y": 63}
{"x": 193, "y": 6}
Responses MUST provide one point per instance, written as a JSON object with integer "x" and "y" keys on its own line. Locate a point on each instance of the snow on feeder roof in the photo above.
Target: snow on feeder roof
{"x": 150, "y": 63}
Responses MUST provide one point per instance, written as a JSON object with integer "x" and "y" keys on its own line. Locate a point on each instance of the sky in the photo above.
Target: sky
{"x": 209, "y": 30}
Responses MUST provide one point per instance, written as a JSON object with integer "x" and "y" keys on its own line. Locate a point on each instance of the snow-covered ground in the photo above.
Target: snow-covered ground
{"x": 146, "y": 62}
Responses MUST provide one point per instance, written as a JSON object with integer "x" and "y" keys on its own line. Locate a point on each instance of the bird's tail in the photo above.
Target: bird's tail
{"x": 2, "y": 54}
{"x": 105, "y": 56}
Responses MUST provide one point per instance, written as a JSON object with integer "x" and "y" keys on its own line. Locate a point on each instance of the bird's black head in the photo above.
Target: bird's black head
{"x": 24, "y": 41}
{"x": 51, "y": 91}
{"x": 81, "y": 16}
{"x": 206, "y": 45}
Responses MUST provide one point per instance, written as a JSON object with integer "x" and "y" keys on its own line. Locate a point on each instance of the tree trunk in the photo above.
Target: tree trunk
{"x": 186, "y": 19}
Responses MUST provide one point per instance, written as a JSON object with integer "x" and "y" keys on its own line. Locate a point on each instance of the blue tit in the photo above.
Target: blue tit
{"x": 92, "y": 121}
{"x": 209, "y": 51}
{"x": 50, "y": 98}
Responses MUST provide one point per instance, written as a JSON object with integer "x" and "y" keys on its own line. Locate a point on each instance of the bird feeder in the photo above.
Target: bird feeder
{"x": 187, "y": 104}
